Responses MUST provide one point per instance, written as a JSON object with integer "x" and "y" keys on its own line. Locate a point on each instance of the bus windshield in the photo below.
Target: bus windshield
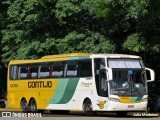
{"x": 128, "y": 82}
{"x": 128, "y": 77}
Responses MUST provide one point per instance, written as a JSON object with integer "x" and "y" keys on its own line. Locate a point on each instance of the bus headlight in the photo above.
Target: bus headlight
{"x": 144, "y": 100}
{"x": 114, "y": 99}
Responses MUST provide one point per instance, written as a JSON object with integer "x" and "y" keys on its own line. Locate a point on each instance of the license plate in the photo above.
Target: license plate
{"x": 130, "y": 106}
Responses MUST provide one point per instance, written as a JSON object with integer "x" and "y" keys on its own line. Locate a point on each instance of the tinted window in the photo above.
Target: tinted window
{"x": 23, "y": 71}
{"x": 33, "y": 71}
{"x": 14, "y": 72}
{"x": 85, "y": 68}
{"x": 72, "y": 67}
{"x": 58, "y": 69}
{"x": 100, "y": 76}
{"x": 44, "y": 71}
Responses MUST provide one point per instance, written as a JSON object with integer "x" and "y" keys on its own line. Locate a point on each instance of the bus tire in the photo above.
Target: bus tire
{"x": 24, "y": 105}
{"x": 121, "y": 113}
{"x": 88, "y": 108}
{"x": 33, "y": 106}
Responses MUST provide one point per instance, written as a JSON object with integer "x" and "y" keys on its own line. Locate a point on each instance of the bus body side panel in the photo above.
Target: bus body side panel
{"x": 40, "y": 90}
{"x": 70, "y": 94}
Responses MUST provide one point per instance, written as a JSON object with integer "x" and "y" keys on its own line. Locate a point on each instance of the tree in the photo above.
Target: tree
{"x": 3, "y": 23}
{"x": 43, "y": 27}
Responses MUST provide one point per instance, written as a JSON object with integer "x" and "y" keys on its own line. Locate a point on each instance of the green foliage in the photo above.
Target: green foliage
{"x": 134, "y": 43}
{"x": 90, "y": 42}
{"x": 66, "y": 8}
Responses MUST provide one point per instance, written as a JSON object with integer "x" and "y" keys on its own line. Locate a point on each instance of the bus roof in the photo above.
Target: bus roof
{"x": 49, "y": 58}
{"x": 91, "y": 55}
{"x": 72, "y": 56}
{"x": 66, "y": 55}
{"x": 115, "y": 56}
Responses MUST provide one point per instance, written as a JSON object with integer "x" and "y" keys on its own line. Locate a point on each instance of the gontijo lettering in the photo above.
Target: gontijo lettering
{"x": 40, "y": 84}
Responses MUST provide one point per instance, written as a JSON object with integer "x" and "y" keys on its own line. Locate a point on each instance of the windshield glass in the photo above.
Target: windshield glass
{"x": 128, "y": 76}
{"x": 127, "y": 82}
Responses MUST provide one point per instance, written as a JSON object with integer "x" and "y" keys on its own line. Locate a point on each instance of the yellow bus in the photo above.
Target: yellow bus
{"x": 79, "y": 81}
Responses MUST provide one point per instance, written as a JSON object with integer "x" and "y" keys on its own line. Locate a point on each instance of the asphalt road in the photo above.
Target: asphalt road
{"x": 81, "y": 116}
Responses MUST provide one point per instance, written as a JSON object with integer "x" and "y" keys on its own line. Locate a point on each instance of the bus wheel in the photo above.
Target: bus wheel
{"x": 121, "y": 113}
{"x": 32, "y": 105}
{"x": 88, "y": 108}
{"x": 24, "y": 106}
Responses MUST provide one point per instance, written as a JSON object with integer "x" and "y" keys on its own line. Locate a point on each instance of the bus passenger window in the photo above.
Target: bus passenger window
{"x": 14, "y": 72}
{"x": 72, "y": 70}
{"x": 72, "y": 67}
{"x": 58, "y": 69}
{"x": 34, "y": 71}
{"x": 44, "y": 71}
{"x": 23, "y": 70}
{"x": 85, "y": 68}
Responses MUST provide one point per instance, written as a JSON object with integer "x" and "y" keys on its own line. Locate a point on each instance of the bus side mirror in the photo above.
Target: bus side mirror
{"x": 109, "y": 74}
{"x": 150, "y": 75}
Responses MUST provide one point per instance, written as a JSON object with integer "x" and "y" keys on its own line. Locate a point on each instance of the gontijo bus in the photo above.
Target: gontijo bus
{"x": 79, "y": 81}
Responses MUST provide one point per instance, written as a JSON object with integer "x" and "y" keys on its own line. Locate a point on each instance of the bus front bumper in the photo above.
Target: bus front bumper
{"x": 118, "y": 106}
